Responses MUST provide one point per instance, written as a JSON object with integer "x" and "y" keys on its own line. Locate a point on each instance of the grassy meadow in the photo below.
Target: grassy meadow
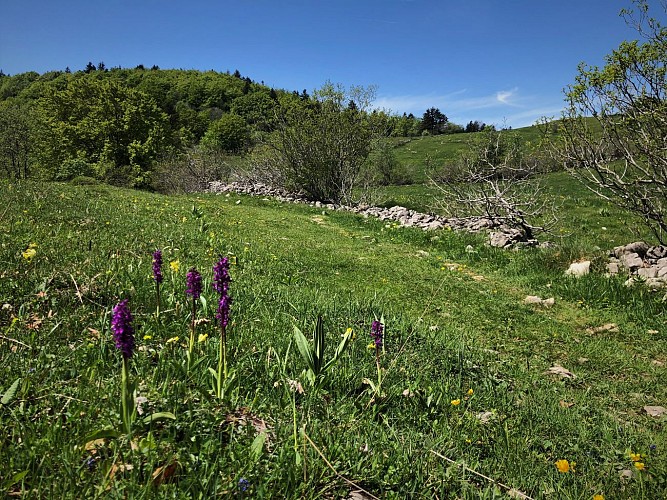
{"x": 462, "y": 405}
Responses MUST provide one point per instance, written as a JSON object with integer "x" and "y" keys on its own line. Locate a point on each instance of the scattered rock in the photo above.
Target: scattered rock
{"x": 613, "y": 268}
{"x": 579, "y": 268}
{"x": 560, "y": 372}
{"x": 484, "y": 417}
{"x": 608, "y": 327}
{"x": 655, "y": 411}
{"x": 533, "y": 299}
{"x": 625, "y": 474}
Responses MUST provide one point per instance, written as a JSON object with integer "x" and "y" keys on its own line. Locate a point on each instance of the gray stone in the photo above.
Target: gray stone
{"x": 638, "y": 247}
{"x": 657, "y": 252}
{"x": 656, "y": 283}
{"x": 631, "y": 261}
{"x": 499, "y": 240}
{"x": 436, "y": 224}
{"x": 579, "y": 268}
{"x": 648, "y": 272}
{"x": 613, "y": 268}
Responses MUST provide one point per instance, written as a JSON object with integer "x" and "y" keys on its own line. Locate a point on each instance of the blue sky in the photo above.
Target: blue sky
{"x": 497, "y": 61}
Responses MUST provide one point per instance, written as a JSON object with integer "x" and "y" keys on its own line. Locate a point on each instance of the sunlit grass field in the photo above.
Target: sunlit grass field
{"x": 461, "y": 407}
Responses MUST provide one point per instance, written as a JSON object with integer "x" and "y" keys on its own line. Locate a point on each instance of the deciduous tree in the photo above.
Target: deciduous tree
{"x": 614, "y": 132}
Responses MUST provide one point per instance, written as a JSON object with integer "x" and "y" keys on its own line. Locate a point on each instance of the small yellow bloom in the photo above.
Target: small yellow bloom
{"x": 598, "y": 497}
{"x": 470, "y": 392}
{"x": 639, "y": 465}
{"x": 565, "y": 466}
{"x": 175, "y": 266}
{"x": 148, "y": 337}
{"x": 30, "y": 252}
{"x": 203, "y": 337}
{"x": 635, "y": 457}
{"x": 172, "y": 340}
{"x": 456, "y": 402}
{"x": 371, "y": 346}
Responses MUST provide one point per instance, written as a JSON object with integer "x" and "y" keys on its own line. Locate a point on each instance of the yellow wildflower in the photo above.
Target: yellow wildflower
{"x": 598, "y": 497}
{"x": 639, "y": 465}
{"x": 30, "y": 252}
{"x": 175, "y": 265}
{"x": 349, "y": 332}
{"x": 172, "y": 340}
{"x": 203, "y": 337}
{"x": 470, "y": 392}
{"x": 635, "y": 457}
{"x": 371, "y": 346}
{"x": 148, "y": 337}
{"x": 565, "y": 466}
{"x": 456, "y": 402}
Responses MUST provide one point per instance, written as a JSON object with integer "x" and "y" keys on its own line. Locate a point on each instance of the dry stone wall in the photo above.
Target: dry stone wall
{"x": 500, "y": 236}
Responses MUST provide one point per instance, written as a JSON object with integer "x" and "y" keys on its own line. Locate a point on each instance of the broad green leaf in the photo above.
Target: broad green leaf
{"x": 156, "y": 417}
{"x": 257, "y": 446}
{"x": 11, "y": 392}
{"x": 14, "y": 479}
{"x": 304, "y": 347}
{"x": 102, "y": 434}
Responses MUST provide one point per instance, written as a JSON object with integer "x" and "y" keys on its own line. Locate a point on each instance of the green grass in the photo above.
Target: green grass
{"x": 421, "y": 156}
{"x": 454, "y": 321}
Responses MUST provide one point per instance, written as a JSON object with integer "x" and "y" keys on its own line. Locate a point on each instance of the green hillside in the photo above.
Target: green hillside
{"x": 462, "y": 399}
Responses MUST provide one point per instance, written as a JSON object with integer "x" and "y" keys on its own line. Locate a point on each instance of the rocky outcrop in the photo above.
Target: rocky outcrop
{"x": 642, "y": 262}
{"x": 500, "y": 236}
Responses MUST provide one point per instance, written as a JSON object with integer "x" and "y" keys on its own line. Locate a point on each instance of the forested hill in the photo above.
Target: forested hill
{"x": 116, "y": 123}
{"x": 129, "y": 117}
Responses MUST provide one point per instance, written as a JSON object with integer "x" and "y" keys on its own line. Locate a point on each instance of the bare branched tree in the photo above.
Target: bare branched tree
{"x": 191, "y": 171}
{"x": 493, "y": 181}
{"x": 614, "y": 133}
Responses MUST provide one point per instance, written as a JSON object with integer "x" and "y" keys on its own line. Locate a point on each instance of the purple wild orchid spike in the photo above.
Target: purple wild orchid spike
{"x": 377, "y": 331}
{"x": 157, "y": 266}
{"x": 193, "y": 282}
{"x": 221, "y": 282}
{"x": 121, "y": 326}
{"x": 221, "y": 275}
{"x": 223, "y": 310}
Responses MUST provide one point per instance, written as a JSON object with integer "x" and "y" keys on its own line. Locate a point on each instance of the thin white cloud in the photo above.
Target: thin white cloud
{"x": 505, "y": 96}
{"x": 503, "y": 107}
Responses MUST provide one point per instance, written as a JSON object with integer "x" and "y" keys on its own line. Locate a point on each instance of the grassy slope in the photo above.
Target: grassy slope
{"x": 448, "y": 330}
{"x": 421, "y": 154}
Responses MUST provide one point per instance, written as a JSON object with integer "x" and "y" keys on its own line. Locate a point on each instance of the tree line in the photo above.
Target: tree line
{"x": 117, "y": 124}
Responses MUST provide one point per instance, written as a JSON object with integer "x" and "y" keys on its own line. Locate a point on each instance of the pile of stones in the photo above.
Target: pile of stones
{"x": 644, "y": 263}
{"x": 500, "y": 236}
